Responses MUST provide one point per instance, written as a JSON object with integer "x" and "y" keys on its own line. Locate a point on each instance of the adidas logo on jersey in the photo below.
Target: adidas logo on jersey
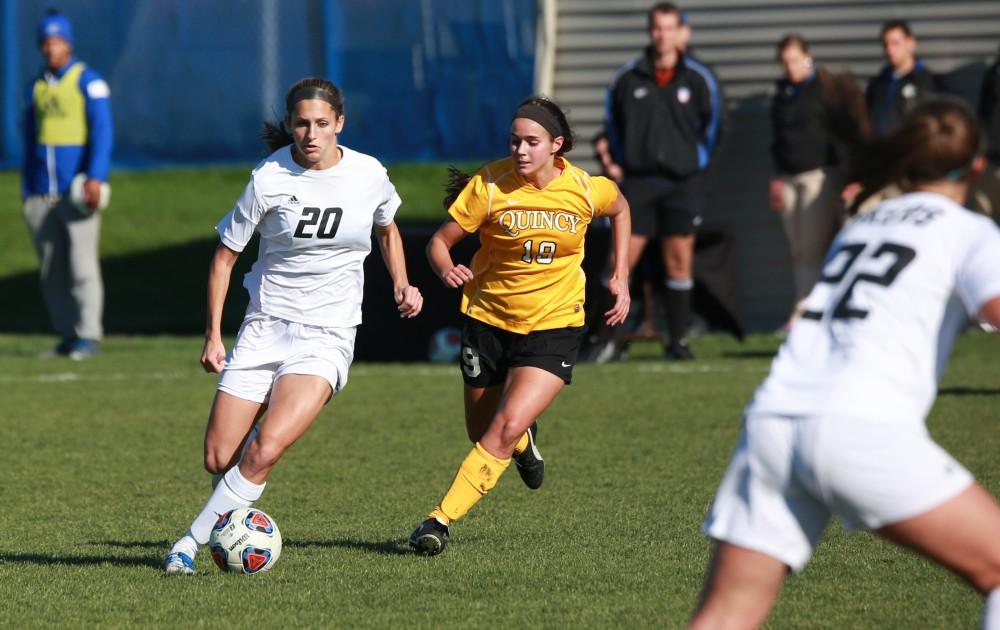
{"x": 292, "y": 200}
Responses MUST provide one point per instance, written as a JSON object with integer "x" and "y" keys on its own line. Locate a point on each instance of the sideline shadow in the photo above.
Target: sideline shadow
{"x": 751, "y": 354}
{"x": 393, "y": 547}
{"x": 969, "y": 391}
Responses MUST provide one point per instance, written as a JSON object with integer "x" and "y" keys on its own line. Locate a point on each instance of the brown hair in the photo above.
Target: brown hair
{"x": 458, "y": 179}
{"x": 892, "y": 25}
{"x": 276, "y": 134}
{"x": 938, "y": 140}
{"x": 792, "y": 39}
{"x": 668, "y": 8}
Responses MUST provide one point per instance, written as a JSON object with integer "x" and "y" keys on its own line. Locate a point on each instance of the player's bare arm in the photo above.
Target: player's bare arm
{"x": 219, "y": 273}
{"x": 621, "y": 228}
{"x": 407, "y": 297}
{"x": 439, "y": 255}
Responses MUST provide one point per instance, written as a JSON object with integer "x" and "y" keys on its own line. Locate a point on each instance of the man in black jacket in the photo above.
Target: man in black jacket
{"x": 902, "y": 83}
{"x": 987, "y": 197}
{"x": 664, "y": 117}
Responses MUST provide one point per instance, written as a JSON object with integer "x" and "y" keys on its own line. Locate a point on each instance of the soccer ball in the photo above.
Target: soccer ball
{"x": 445, "y": 346}
{"x": 245, "y": 540}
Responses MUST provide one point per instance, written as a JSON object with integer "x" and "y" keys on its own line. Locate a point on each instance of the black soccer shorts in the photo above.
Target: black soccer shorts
{"x": 489, "y": 352}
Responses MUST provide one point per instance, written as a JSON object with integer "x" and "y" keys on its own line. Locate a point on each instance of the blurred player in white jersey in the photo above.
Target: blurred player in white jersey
{"x": 314, "y": 203}
{"x": 837, "y": 428}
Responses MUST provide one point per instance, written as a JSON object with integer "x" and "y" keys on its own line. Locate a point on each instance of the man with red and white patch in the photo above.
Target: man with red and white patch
{"x": 663, "y": 120}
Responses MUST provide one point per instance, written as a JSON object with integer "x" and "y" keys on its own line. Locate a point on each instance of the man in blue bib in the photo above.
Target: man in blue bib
{"x": 67, "y": 132}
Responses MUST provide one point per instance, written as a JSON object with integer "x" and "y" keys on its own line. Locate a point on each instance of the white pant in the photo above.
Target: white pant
{"x": 788, "y": 475}
{"x": 813, "y": 212}
{"x": 269, "y": 347}
{"x": 67, "y": 242}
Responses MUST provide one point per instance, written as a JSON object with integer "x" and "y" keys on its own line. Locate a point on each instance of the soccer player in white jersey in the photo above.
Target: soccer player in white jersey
{"x": 314, "y": 203}
{"x": 837, "y": 428}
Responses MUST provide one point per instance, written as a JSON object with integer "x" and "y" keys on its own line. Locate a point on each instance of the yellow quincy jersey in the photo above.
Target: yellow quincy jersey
{"x": 528, "y": 273}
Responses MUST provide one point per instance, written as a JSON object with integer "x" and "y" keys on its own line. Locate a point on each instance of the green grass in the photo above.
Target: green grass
{"x": 103, "y": 471}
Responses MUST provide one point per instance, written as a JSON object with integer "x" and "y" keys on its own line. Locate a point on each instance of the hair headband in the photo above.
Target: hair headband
{"x": 310, "y": 92}
{"x": 542, "y": 116}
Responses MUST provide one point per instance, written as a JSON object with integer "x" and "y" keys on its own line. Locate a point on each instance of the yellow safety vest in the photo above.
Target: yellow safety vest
{"x": 61, "y": 109}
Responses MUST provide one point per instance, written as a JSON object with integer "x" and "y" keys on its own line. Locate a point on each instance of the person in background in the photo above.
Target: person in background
{"x": 986, "y": 198}
{"x": 902, "y": 83}
{"x": 67, "y": 132}
{"x": 838, "y": 426}
{"x": 806, "y": 189}
{"x": 663, "y": 120}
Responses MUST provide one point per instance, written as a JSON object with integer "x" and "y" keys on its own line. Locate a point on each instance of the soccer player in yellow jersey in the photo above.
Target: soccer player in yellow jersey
{"x": 522, "y": 298}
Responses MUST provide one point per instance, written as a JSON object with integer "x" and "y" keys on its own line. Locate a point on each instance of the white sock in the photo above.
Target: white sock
{"x": 991, "y": 612}
{"x": 217, "y": 477}
{"x": 234, "y": 491}
{"x": 186, "y": 545}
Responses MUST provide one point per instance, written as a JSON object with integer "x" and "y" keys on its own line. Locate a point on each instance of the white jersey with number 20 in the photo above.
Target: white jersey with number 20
{"x": 315, "y": 233}
{"x": 898, "y": 285}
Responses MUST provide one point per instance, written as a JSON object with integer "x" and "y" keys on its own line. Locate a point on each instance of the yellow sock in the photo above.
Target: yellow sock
{"x": 522, "y": 444}
{"x": 476, "y": 476}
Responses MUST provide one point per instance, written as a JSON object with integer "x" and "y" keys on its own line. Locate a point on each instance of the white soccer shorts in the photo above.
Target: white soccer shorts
{"x": 788, "y": 475}
{"x": 268, "y": 347}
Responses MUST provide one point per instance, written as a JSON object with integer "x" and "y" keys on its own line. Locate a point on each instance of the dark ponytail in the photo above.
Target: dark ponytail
{"x": 276, "y": 134}
{"x": 457, "y": 180}
{"x": 938, "y": 140}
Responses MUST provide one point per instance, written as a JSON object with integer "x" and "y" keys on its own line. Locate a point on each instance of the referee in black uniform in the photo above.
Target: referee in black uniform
{"x": 664, "y": 117}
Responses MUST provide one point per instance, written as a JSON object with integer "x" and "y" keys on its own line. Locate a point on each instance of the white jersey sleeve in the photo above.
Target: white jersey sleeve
{"x": 386, "y": 211}
{"x": 978, "y": 278}
{"x": 238, "y": 226}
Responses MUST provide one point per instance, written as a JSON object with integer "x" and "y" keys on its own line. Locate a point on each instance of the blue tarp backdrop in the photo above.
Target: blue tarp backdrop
{"x": 192, "y": 81}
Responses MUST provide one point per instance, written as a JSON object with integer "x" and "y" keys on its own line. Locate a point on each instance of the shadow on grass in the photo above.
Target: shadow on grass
{"x": 969, "y": 391}
{"x": 751, "y": 354}
{"x": 387, "y": 547}
{"x": 78, "y": 560}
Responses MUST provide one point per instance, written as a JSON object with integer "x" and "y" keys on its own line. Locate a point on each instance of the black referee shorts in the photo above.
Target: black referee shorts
{"x": 489, "y": 352}
{"x": 666, "y": 207}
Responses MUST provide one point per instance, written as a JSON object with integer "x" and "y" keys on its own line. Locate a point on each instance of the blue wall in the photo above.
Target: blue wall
{"x": 192, "y": 81}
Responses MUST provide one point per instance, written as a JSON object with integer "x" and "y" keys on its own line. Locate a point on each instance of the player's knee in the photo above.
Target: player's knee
{"x": 216, "y": 462}
{"x": 263, "y": 453}
{"x": 986, "y": 578}
{"x": 511, "y": 426}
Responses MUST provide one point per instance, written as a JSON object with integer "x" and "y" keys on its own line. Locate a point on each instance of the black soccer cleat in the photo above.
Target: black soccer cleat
{"x": 430, "y": 538}
{"x": 530, "y": 464}
{"x": 678, "y": 351}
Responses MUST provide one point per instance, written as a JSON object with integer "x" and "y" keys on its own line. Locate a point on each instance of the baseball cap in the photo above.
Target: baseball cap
{"x": 55, "y": 24}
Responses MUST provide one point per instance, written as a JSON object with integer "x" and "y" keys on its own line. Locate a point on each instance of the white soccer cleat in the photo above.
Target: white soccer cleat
{"x": 178, "y": 563}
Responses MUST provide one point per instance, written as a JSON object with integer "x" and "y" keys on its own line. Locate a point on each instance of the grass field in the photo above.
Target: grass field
{"x": 103, "y": 470}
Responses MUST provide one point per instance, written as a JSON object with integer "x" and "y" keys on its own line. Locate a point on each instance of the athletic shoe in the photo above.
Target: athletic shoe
{"x": 678, "y": 351}
{"x": 82, "y": 349}
{"x": 530, "y": 464}
{"x": 429, "y": 538}
{"x": 62, "y": 349}
{"x": 178, "y": 563}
